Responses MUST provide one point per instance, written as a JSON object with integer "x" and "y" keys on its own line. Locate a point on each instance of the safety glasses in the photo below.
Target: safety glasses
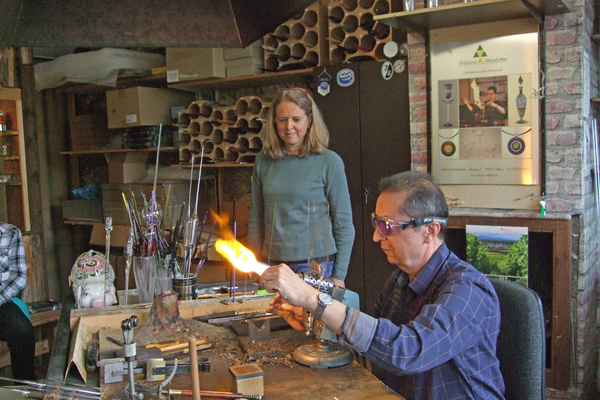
{"x": 288, "y": 89}
{"x": 388, "y": 227}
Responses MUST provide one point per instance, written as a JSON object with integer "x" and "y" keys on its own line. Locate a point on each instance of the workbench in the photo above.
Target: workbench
{"x": 283, "y": 377}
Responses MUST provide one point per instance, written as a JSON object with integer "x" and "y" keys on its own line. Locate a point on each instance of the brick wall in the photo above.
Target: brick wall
{"x": 571, "y": 67}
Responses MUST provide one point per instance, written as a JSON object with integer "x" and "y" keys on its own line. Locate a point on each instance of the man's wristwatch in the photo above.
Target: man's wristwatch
{"x": 324, "y": 301}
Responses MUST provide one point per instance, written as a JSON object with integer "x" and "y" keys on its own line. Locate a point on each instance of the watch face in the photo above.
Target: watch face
{"x": 325, "y": 299}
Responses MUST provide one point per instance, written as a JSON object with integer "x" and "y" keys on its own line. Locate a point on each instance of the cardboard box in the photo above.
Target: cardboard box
{"x": 243, "y": 66}
{"x": 82, "y": 210}
{"x": 143, "y": 106}
{"x": 253, "y": 50}
{"x": 191, "y": 63}
{"x": 89, "y": 127}
{"x": 118, "y": 235}
{"x": 127, "y": 167}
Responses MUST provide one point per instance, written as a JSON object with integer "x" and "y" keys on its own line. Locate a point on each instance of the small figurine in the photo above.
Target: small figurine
{"x": 92, "y": 279}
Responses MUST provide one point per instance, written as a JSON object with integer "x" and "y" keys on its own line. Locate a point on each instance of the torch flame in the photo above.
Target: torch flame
{"x": 240, "y": 256}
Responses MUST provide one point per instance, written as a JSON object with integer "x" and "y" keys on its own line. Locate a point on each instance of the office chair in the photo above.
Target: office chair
{"x": 521, "y": 346}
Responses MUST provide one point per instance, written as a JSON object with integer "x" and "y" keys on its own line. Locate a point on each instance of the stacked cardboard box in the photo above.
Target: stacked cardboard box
{"x": 246, "y": 61}
{"x": 88, "y": 123}
{"x": 192, "y": 63}
{"x": 143, "y": 106}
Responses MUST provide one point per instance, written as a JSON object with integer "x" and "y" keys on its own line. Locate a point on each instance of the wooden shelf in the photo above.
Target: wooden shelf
{"x": 476, "y": 12}
{"x": 158, "y": 80}
{"x": 268, "y": 78}
{"x": 224, "y": 164}
{"x": 12, "y": 183}
{"x": 110, "y": 151}
{"x": 9, "y": 133}
{"x": 80, "y": 222}
{"x": 10, "y": 157}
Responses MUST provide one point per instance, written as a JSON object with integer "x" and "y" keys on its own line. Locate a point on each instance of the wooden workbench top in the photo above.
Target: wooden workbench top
{"x": 284, "y": 378}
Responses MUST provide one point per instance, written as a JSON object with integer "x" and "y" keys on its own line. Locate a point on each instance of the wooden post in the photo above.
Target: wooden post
{"x": 7, "y": 67}
{"x": 195, "y": 375}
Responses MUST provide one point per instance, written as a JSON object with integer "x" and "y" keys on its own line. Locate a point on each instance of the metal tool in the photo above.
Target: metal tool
{"x": 127, "y": 326}
{"x": 155, "y": 369}
{"x": 128, "y": 252}
{"x": 108, "y": 228}
{"x": 259, "y": 330}
{"x": 37, "y": 389}
{"x": 327, "y": 352}
{"x": 92, "y": 355}
{"x": 158, "y": 389}
{"x": 212, "y": 394}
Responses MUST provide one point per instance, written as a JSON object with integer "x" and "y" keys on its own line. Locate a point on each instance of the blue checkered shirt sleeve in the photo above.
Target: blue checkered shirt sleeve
{"x": 13, "y": 267}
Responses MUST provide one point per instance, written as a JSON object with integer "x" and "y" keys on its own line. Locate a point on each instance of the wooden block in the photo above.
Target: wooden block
{"x": 44, "y": 317}
{"x": 247, "y": 379}
{"x": 42, "y": 347}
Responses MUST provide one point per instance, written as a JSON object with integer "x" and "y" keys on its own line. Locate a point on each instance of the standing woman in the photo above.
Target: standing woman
{"x": 293, "y": 174}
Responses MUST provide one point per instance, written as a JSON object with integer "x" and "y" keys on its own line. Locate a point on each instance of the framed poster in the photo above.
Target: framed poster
{"x": 485, "y": 122}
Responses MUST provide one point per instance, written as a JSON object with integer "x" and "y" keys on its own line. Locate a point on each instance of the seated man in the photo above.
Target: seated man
{"x": 437, "y": 318}
{"x": 16, "y": 328}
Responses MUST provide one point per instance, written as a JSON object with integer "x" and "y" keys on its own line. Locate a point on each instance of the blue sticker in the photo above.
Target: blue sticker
{"x": 324, "y": 84}
{"x": 345, "y": 77}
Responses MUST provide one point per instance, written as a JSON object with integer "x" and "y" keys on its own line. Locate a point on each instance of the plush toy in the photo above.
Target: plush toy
{"x": 89, "y": 275}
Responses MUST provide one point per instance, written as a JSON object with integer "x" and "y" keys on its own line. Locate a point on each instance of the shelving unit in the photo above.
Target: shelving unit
{"x": 476, "y": 12}
{"x": 110, "y": 151}
{"x": 14, "y": 200}
{"x": 158, "y": 80}
{"x": 268, "y": 78}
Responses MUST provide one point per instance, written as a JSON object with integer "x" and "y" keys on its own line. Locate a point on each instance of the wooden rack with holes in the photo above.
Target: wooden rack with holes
{"x": 227, "y": 133}
{"x": 353, "y": 33}
{"x": 299, "y": 42}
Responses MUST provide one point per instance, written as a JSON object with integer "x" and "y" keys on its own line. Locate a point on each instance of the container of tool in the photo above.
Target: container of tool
{"x": 186, "y": 287}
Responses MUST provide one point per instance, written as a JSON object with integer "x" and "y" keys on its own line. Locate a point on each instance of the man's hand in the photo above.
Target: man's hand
{"x": 294, "y": 316}
{"x": 280, "y": 278}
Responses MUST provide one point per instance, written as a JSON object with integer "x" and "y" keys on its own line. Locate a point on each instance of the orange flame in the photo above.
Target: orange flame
{"x": 240, "y": 256}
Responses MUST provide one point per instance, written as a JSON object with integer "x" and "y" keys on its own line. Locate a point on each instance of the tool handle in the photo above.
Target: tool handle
{"x": 195, "y": 375}
{"x": 179, "y": 346}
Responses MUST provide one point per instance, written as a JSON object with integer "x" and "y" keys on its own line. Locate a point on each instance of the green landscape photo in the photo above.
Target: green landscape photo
{"x": 499, "y": 251}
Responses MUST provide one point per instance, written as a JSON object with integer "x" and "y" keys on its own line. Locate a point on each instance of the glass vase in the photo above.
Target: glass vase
{"x": 521, "y": 105}
{"x": 144, "y": 270}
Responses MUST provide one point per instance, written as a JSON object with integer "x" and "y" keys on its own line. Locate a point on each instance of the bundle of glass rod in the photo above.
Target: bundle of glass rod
{"x": 192, "y": 232}
{"x": 33, "y": 389}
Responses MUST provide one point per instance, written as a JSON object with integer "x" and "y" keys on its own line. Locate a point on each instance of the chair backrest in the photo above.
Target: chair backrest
{"x": 521, "y": 346}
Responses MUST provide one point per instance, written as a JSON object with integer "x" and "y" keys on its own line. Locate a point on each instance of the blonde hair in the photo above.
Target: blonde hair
{"x": 317, "y": 135}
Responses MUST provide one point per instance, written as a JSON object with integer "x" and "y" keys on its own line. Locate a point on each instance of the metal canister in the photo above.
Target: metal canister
{"x": 186, "y": 287}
